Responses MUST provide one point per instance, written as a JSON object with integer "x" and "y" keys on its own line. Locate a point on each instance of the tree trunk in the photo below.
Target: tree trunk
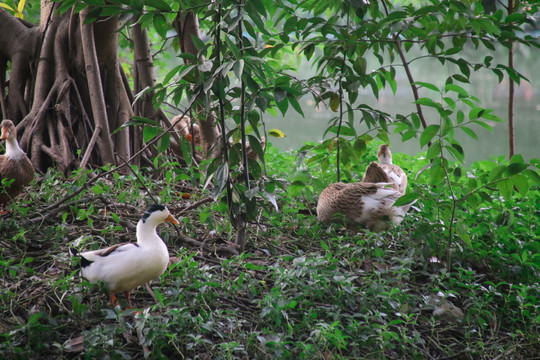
{"x": 66, "y": 89}
{"x": 187, "y": 25}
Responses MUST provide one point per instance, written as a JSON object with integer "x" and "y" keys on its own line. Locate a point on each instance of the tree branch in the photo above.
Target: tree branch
{"x": 96, "y": 91}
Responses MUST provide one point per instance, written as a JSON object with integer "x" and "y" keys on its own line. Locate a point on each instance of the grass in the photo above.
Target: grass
{"x": 300, "y": 290}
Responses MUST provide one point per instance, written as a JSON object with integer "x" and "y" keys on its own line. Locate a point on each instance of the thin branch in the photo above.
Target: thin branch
{"x": 196, "y": 205}
{"x": 116, "y": 168}
{"x": 511, "y": 138}
{"x": 452, "y": 218}
{"x": 90, "y": 146}
{"x": 139, "y": 179}
{"x": 414, "y": 89}
{"x": 224, "y": 149}
{"x": 340, "y": 81}
{"x": 242, "y": 102}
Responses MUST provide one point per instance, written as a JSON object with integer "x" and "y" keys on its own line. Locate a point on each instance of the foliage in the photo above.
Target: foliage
{"x": 245, "y": 68}
{"x": 298, "y": 291}
{"x": 16, "y": 10}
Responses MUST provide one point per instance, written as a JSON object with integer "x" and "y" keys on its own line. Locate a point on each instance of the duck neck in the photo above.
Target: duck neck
{"x": 146, "y": 233}
{"x": 13, "y": 150}
{"x": 385, "y": 159}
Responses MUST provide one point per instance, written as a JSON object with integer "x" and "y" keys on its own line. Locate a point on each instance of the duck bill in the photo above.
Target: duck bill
{"x": 171, "y": 219}
{"x": 5, "y": 133}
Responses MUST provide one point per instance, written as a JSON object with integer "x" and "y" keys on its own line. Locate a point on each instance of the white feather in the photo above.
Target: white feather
{"x": 13, "y": 150}
{"x": 131, "y": 265}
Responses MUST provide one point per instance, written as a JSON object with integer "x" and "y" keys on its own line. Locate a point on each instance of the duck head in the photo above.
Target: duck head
{"x": 157, "y": 214}
{"x": 8, "y": 130}
{"x": 384, "y": 155}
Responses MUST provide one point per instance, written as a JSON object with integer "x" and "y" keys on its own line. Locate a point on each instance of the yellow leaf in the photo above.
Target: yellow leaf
{"x": 6, "y": 6}
{"x": 276, "y": 133}
{"x": 19, "y": 15}
{"x": 334, "y": 102}
{"x": 20, "y": 7}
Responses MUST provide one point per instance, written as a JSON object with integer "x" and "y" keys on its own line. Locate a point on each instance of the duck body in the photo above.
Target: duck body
{"x": 394, "y": 172}
{"x": 14, "y": 164}
{"x": 369, "y": 205}
{"x": 124, "y": 267}
{"x": 376, "y": 174}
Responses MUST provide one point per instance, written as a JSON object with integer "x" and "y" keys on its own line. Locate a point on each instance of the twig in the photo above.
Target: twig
{"x": 47, "y": 214}
{"x": 454, "y": 205}
{"x": 414, "y": 89}
{"x": 338, "y": 147}
{"x": 90, "y": 146}
{"x": 116, "y": 168}
{"x": 196, "y": 205}
{"x": 151, "y": 293}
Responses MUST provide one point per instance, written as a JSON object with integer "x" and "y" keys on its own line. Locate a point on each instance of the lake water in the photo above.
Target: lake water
{"x": 484, "y": 85}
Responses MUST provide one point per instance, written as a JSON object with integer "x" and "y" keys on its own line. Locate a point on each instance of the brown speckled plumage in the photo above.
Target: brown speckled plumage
{"x": 20, "y": 169}
{"x": 376, "y": 174}
{"x": 395, "y": 174}
{"x": 365, "y": 204}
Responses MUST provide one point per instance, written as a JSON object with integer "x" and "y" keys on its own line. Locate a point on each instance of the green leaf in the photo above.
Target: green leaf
{"x": 360, "y": 147}
{"x": 407, "y": 199}
{"x": 427, "y": 85}
{"x": 232, "y": 46}
{"x": 187, "y": 151}
{"x": 360, "y": 66}
{"x": 324, "y": 246}
{"x": 256, "y": 146}
{"x": 160, "y": 24}
{"x": 222, "y": 176}
{"x": 496, "y": 172}
{"x": 283, "y": 106}
{"x": 521, "y": 183}
{"x": 280, "y": 95}
{"x": 295, "y": 104}
{"x": 158, "y": 4}
{"x": 96, "y": 189}
{"x": 506, "y": 188}
{"x": 295, "y": 188}
{"x": 515, "y": 168}
{"x": 428, "y": 102}
{"x": 239, "y": 68}
{"x": 172, "y": 73}
{"x": 428, "y": 134}
{"x": 469, "y": 132}
{"x": 163, "y": 143}
{"x": 533, "y": 175}
{"x": 290, "y": 25}
{"x": 150, "y": 132}
{"x": 458, "y": 89}
{"x": 334, "y": 102}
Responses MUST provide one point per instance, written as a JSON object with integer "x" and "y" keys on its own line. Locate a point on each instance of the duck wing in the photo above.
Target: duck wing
{"x": 99, "y": 254}
{"x": 397, "y": 175}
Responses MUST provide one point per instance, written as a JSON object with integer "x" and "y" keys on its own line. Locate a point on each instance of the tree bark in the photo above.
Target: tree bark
{"x": 187, "y": 25}
{"x": 97, "y": 97}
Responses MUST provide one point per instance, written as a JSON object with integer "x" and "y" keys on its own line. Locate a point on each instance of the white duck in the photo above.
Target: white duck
{"x": 124, "y": 267}
{"x": 395, "y": 173}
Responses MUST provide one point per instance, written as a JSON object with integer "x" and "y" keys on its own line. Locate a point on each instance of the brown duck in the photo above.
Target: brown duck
{"x": 376, "y": 174}
{"x": 14, "y": 164}
{"x": 368, "y": 205}
{"x": 396, "y": 176}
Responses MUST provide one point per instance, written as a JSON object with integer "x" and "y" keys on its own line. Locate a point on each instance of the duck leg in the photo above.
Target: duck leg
{"x": 114, "y": 299}
{"x": 128, "y": 297}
